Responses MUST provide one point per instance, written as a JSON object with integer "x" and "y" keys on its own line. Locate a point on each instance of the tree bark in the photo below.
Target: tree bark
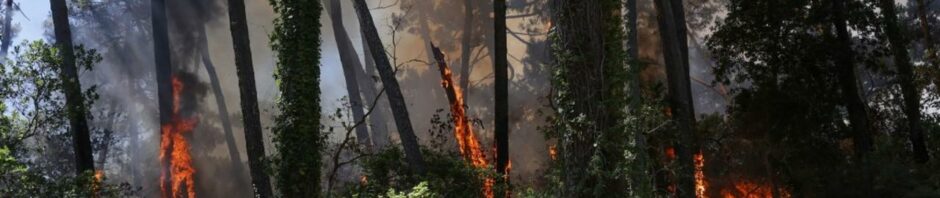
{"x": 254, "y": 139}
{"x": 396, "y": 100}
{"x": 925, "y": 29}
{"x": 675, "y": 50}
{"x": 858, "y": 112}
{"x": 351, "y": 65}
{"x": 7, "y": 37}
{"x": 641, "y": 180}
{"x": 466, "y": 46}
{"x": 220, "y": 102}
{"x": 911, "y": 94}
{"x": 379, "y": 116}
{"x": 161, "y": 50}
{"x": 501, "y": 86}
{"x": 74, "y": 99}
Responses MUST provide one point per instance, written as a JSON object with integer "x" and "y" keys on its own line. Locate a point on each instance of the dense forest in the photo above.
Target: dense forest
{"x": 470, "y": 98}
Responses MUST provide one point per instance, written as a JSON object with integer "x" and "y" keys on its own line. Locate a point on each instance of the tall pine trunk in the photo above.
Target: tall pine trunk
{"x": 74, "y": 99}
{"x": 641, "y": 182}
{"x": 296, "y": 38}
{"x": 501, "y": 86}
{"x": 7, "y": 37}
{"x": 161, "y": 51}
{"x": 351, "y": 67}
{"x": 254, "y": 139}
{"x": 911, "y": 94}
{"x": 845, "y": 63}
{"x": 675, "y": 53}
{"x": 233, "y": 154}
{"x": 379, "y": 117}
{"x": 466, "y": 47}
{"x": 397, "y": 102}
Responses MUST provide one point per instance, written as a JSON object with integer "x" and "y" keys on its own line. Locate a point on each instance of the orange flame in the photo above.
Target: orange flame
{"x": 466, "y": 139}
{"x": 174, "y": 144}
{"x": 700, "y": 183}
{"x": 553, "y": 152}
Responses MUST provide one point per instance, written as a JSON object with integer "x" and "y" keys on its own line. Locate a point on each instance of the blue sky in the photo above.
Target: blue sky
{"x": 34, "y": 14}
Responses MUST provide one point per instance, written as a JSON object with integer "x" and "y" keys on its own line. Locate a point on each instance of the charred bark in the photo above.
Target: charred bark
{"x": 161, "y": 50}
{"x": 74, "y": 99}
{"x": 254, "y": 139}
{"x": 675, "y": 53}
{"x": 351, "y": 65}
{"x": 395, "y": 98}
{"x": 910, "y": 92}
{"x": 501, "y": 83}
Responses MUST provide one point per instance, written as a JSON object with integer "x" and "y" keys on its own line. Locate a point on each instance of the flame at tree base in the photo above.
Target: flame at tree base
{"x": 466, "y": 139}
{"x": 174, "y": 150}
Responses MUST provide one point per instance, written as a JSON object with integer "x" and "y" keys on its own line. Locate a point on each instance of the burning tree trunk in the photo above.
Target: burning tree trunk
{"x": 74, "y": 99}
{"x": 675, "y": 53}
{"x": 501, "y": 83}
{"x": 296, "y": 38}
{"x": 164, "y": 87}
{"x": 220, "y": 103}
{"x": 588, "y": 74}
{"x": 254, "y": 139}
{"x": 351, "y": 66}
{"x": 395, "y": 98}
{"x": 905, "y": 70}
{"x": 467, "y": 141}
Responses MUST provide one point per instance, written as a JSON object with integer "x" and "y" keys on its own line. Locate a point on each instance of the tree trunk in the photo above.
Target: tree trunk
{"x": 296, "y": 38}
{"x": 675, "y": 50}
{"x": 501, "y": 83}
{"x": 233, "y": 154}
{"x": 161, "y": 50}
{"x": 396, "y": 100}
{"x": 905, "y": 71}
{"x": 858, "y": 112}
{"x": 254, "y": 139}
{"x": 7, "y": 36}
{"x": 74, "y": 99}
{"x": 641, "y": 181}
{"x": 929, "y": 51}
{"x": 589, "y": 71}
{"x": 466, "y": 46}
{"x": 351, "y": 65}
{"x": 379, "y": 116}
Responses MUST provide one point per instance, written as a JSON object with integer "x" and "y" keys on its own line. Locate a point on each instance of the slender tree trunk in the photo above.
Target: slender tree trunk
{"x": 641, "y": 181}
{"x": 7, "y": 36}
{"x": 379, "y": 116}
{"x": 220, "y": 102}
{"x": 672, "y": 31}
{"x": 466, "y": 46}
{"x": 351, "y": 65}
{"x": 858, "y": 111}
{"x": 161, "y": 50}
{"x": 254, "y": 139}
{"x": 905, "y": 70}
{"x": 925, "y": 29}
{"x": 396, "y": 100}
{"x": 74, "y": 99}
{"x": 501, "y": 84}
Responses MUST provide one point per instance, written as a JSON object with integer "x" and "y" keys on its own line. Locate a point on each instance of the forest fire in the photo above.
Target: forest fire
{"x": 700, "y": 183}
{"x": 175, "y": 150}
{"x": 466, "y": 139}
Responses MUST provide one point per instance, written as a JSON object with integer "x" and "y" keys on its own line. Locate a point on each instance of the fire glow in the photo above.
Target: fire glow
{"x": 466, "y": 139}
{"x": 174, "y": 150}
{"x": 739, "y": 189}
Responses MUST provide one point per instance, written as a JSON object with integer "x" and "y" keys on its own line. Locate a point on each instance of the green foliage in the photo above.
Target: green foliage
{"x": 32, "y": 111}
{"x": 448, "y": 174}
{"x": 296, "y": 38}
{"x": 419, "y": 191}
